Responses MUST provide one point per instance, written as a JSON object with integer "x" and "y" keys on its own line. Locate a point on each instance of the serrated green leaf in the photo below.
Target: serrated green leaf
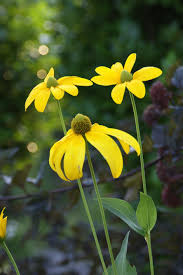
{"x": 124, "y": 211}
{"x": 122, "y": 265}
{"x": 146, "y": 213}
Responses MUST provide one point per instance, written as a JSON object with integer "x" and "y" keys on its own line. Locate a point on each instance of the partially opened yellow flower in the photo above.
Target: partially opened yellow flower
{"x": 71, "y": 148}
{"x": 3, "y": 222}
{"x": 122, "y": 78}
{"x": 41, "y": 93}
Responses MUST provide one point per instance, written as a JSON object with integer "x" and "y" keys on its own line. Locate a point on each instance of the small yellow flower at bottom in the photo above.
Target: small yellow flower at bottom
{"x": 122, "y": 78}
{"x": 72, "y": 148}
{"x": 3, "y": 222}
{"x": 41, "y": 93}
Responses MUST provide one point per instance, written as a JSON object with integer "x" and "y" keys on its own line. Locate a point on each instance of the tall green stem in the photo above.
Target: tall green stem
{"x": 148, "y": 238}
{"x": 10, "y": 257}
{"x": 101, "y": 209}
{"x": 85, "y": 202}
{"x": 139, "y": 141}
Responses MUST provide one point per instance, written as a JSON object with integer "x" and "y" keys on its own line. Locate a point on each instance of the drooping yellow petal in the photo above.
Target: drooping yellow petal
{"x": 41, "y": 99}
{"x": 147, "y": 73}
{"x": 137, "y": 88}
{"x": 74, "y": 80}
{"x": 125, "y": 146}
{"x": 59, "y": 144}
{"x": 104, "y": 80}
{"x": 109, "y": 150}
{"x": 50, "y": 73}
{"x": 33, "y": 94}
{"x": 57, "y": 92}
{"x": 117, "y": 68}
{"x": 4, "y": 223}
{"x": 102, "y": 70}
{"x": 120, "y": 135}
{"x": 74, "y": 158}
{"x": 117, "y": 93}
{"x": 130, "y": 62}
{"x": 70, "y": 89}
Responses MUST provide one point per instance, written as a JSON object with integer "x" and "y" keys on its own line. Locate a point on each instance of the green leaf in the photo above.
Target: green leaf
{"x": 124, "y": 211}
{"x": 122, "y": 265}
{"x": 146, "y": 213}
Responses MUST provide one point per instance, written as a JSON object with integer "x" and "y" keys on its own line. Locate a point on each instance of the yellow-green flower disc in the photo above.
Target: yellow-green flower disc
{"x": 126, "y": 76}
{"x": 52, "y": 82}
{"x": 81, "y": 124}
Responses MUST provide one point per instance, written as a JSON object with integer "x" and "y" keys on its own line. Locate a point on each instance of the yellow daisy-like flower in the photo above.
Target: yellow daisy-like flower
{"x": 3, "y": 222}
{"x": 122, "y": 78}
{"x": 71, "y": 148}
{"x": 41, "y": 93}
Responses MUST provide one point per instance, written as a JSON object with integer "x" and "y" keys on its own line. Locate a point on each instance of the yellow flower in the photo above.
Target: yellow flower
{"x": 122, "y": 78}
{"x": 3, "y": 222}
{"x": 71, "y": 148}
{"x": 41, "y": 93}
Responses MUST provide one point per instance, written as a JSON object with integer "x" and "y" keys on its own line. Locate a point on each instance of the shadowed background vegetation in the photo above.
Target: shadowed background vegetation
{"x": 49, "y": 234}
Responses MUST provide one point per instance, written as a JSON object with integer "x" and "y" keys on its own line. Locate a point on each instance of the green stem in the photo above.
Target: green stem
{"x": 61, "y": 117}
{"x": 101, "y": 209}
{"x": 84, "y": 201}
{"x": 148, "y": 239}
{"x": 139, "y": 141}
{"x": 92, "y": 225}
{"x": 10, "y": 257}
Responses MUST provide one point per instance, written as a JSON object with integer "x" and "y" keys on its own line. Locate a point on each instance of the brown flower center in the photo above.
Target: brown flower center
{"x": 81, "y": 124}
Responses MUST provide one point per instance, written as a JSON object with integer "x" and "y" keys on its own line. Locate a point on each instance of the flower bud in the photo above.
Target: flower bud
{"x": 160, "y": 95}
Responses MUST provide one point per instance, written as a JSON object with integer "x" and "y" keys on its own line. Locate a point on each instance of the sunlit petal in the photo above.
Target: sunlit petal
{"x": 137, "y": 88}
{"x": 120, "y": 135}
{"x": 50, "y": 73}
{"x": 102, "y": 70}
{"x": 74, "y": 158}
{"x": 41, "y": 100}
{"x": 57, "y": 92}
{"x": 117, "y": 93}
{"x": 70, "y": 89}
{"x": 147, "y": 73}
{"x": 109, "y": 150}
{"x": 125, "y": 146}
{"x": 117, "y": 67}
{"x": 74, "y": 80}
{"x": 104, "y": 80}
{"x": 130, "y": 62}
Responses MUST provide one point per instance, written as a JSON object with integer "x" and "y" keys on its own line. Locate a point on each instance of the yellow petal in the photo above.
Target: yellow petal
{"x": 109, "y": 150}
{"x": 120, "y": 135}
{"x": 50, "y": 73}
{"x": 57, "y": 92}
{"x": 130, "y": 62}
{"x": 117, "y": 67}
{"x": 137, "y": 88}
{"x": 59, "y": 144}
{"x": 57, "y": 154}
{"x": 41, "y": 100}
{"x": 74, "y": 158}
{"x": 33, "y": 94}
{"x": 4, "y": 227}
{"x": 117, "y": 93}
{"x": 70, "y": 89}
{"x": 147, "y": 73}
{"x": 125, "y": 146}
{"x": 74, "y": 80}
{"x": 102, "y": 70}
{"x": 105, "y": 80}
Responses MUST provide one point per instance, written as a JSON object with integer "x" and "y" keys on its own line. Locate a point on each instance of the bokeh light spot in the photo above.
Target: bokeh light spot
{"x": 32, "y": 147}
{"x": 43, "y": 49}
{"x": 41, "y": 74}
